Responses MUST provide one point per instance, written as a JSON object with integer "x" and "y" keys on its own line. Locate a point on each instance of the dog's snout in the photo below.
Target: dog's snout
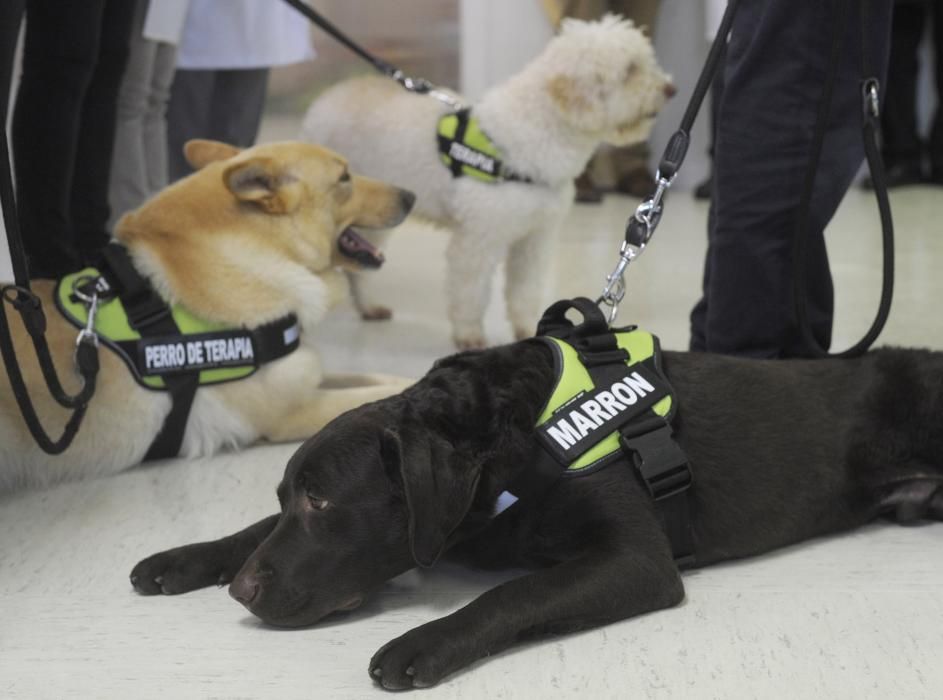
{"x": 670, "y": 90}
{"x": 407, "y": 199}
{"x": 246, "y": 586}
{"x": 245, "y": 589}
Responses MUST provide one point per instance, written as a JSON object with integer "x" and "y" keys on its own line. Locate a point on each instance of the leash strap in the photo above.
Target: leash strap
{"x": 641, "y": 226}
{"x": 29, "y": 306}
{"x": 870, "y": 128}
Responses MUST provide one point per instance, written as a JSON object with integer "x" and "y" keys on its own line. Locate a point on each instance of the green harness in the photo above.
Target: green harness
{"x": 580, "y": 422}
{"x": 467, "y": 150}
{"x": 220, "y": 353}
{"x": 611, "y": 404}
{"x": 167, "y": 349}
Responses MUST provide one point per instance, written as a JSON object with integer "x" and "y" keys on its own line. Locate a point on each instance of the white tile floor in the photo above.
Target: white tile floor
{"x": 857, "y": 616}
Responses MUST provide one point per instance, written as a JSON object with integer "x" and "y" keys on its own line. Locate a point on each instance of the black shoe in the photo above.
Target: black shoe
{"x": 703, "y": 191}
{"x": 899, "y": 175}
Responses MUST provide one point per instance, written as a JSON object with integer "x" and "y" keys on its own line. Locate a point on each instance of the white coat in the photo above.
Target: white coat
{"x": 164, "y": 20}
{"x": 239, "y": 34}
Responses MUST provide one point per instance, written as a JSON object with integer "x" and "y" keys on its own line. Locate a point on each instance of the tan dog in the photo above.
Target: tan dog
{"x": 250, "y": 237}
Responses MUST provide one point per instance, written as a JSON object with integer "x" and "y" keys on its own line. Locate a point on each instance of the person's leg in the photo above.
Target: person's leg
{"x": 188, "y": 116}
{"x": 238, "y": 103}
{"x": 96, "y": 140}
{"x": 11, "y": 15}
{"x": 155, "y": 118}
{"x": 935, "y": 144}
{"x": 776, "y": 62}
{"x": 129, "y": 186}
{"x": 59, "y": 56}
{"x": 901, "y": 145}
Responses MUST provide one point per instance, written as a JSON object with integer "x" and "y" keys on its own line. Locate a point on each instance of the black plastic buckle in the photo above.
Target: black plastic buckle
{"x": 147, "y": 314}
{"x": 659, "y": 460}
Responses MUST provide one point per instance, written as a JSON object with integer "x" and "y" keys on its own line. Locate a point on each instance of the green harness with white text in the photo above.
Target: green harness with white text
{"x": 611, "y": 404}
{"x": 466, "y": 149}
{"x": 166, "y": 347}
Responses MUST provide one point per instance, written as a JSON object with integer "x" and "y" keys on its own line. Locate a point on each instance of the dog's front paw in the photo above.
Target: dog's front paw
{"x": 473, "y": 341}
{"x": 182, "y": 569}
{"x": 421, "y": 657}
{"x": 376, "y": 313}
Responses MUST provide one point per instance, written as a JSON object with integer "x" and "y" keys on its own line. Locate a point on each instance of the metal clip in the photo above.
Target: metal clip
{"x": 870, "y": 94}
{"x": 638, "y": 232}
{"x": 90, "y": 299}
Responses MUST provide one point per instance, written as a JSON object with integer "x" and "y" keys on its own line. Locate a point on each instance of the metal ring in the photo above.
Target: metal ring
{"x": 82, "y": 296}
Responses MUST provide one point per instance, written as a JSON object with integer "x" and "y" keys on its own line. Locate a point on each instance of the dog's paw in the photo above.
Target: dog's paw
{"x": 376, "y": 313}
{"x": 470, "y": 342}
{"x": 180, "y": 570}
{"x": 523, "y": 333}
{"x": 421, "y": 657}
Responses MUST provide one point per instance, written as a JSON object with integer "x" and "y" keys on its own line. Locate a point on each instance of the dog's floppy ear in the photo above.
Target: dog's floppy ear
{"x": 580, "y": 100}
{"x": 202, "y": 152}
{"x": 262, "y": 181}
{"x": 439, "y": 487}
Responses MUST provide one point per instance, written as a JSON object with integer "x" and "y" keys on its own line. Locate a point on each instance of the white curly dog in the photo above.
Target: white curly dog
{"x": 595, "y": 82}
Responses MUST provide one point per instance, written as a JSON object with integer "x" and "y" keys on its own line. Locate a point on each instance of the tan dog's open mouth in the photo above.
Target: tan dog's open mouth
{"x": 358, "y": 249}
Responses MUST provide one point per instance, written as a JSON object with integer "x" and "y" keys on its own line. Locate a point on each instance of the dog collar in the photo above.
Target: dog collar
{"x": 466, "y": 149}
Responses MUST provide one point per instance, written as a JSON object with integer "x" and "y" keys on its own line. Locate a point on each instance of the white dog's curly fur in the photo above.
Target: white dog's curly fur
{"x": 595, "y": 82}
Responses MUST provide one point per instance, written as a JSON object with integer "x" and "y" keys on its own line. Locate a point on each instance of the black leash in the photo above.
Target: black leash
{"x": 420, "y": 86}
{"x": 871, "y": 126}
{"x": 641, "y": 226}
{"x": 29, "y": 306}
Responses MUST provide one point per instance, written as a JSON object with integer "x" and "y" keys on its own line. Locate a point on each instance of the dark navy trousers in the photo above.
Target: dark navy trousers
{"x": 777, "y": 59}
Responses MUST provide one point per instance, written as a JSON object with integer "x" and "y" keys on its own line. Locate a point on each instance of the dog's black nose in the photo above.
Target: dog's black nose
{"x": 407, "y": 200}
{"x": 245, "y": 588}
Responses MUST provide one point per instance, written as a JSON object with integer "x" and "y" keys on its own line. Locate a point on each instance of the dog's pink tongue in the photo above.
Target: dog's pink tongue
{"x": 355, "y": 246}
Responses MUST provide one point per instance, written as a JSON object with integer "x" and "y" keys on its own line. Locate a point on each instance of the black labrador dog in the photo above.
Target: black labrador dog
{"x": 781, "y": 451}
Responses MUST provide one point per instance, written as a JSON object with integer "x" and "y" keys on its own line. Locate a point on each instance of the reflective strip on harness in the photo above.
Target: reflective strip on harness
{"x": 580, "y": 424}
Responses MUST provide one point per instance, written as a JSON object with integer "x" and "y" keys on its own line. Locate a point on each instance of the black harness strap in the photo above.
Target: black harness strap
{"x": 149, "y": 315}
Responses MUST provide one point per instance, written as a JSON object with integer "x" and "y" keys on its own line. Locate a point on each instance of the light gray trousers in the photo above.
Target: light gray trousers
{"x": 139, "y": 164}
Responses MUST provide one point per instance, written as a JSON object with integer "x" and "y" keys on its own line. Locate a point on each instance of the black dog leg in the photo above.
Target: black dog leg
{"x": 596, "y": 589}
{"x": 198, "y": 565}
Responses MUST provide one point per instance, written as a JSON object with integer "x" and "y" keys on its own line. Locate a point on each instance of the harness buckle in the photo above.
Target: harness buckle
{"x": 658, "y": 459}
{"x": 146, "y": 315}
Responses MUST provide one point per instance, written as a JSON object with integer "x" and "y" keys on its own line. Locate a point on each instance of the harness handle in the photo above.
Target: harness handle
{"x": 555, "y": 323}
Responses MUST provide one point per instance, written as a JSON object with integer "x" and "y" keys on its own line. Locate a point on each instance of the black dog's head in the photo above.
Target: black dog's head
{"x": 366, "y": 499}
